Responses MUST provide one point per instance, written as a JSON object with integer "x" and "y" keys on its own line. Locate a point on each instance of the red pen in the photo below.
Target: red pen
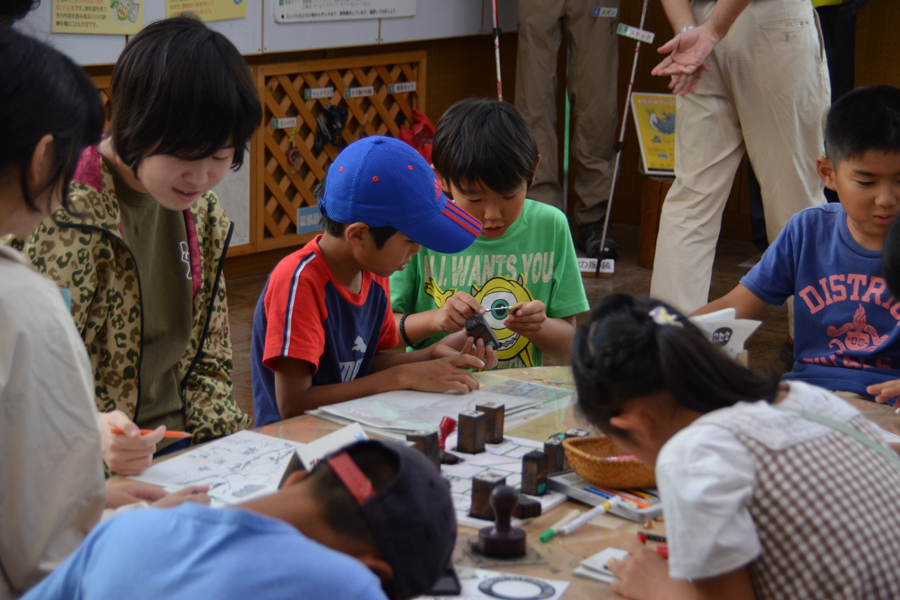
{"x": 662, "y": 549}
{"x": 168, "y": 434}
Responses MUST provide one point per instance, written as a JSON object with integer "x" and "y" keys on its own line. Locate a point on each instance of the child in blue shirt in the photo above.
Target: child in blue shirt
{"x": 485, "y": 156}
{"x": 846, "y": 335}
{"x": 373, "y": 521}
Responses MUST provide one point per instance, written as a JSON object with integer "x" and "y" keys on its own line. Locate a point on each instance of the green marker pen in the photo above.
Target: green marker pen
{"x": 549, "y": 533}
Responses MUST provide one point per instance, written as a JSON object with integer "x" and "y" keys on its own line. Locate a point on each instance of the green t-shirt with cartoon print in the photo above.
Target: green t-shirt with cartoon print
{"x": 534, "y": 260}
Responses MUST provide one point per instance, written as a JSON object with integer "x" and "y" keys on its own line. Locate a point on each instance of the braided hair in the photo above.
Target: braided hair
{"x": 633, "y": 347}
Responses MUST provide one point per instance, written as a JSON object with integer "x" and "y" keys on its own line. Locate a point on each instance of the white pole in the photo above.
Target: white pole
{"x": 497, "y": 53}
{"x": 621, "y": 145}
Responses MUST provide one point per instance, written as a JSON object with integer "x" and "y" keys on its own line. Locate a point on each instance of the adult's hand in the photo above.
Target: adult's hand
{"x": 687, "y": 51}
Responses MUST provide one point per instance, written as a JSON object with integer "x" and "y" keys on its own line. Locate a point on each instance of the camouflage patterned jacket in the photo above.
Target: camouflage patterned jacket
{"x": 87, "y": 255}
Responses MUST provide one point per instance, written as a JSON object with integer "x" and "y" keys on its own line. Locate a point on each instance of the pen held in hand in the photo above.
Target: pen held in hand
{"x": 168, "y": 434}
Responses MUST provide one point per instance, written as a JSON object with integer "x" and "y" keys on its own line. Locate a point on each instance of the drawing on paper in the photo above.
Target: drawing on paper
{"x": 239, "y": 467}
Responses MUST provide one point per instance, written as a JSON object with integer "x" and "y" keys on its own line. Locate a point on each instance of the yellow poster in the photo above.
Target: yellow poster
{"x": 208, "y": 10}
{"x": 111, "y": 17}
{"x": 655, "y": 118}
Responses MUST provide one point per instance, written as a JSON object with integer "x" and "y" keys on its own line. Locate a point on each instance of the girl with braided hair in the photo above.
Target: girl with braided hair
{"x": 769, "y": 490}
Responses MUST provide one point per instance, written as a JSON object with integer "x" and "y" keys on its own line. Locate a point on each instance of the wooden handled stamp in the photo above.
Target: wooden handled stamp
{"x": 502, "y": 539}
{"x": 495, "y": 412}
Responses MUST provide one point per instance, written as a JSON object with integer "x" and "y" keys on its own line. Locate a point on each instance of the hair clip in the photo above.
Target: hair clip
{"x": 661, "y": 316}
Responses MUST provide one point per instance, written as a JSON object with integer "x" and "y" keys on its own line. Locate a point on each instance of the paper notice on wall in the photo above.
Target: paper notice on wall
{"x": 110, "y": 17}
{"x": 300, "y": 11}
{"x": 208, "y": 10}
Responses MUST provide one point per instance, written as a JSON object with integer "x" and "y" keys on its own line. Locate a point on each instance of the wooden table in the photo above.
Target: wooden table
{"x": 563, "y": 553}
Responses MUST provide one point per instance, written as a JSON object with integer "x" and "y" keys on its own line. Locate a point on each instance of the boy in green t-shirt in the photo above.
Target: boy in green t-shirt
{"x": 485, "y": 156}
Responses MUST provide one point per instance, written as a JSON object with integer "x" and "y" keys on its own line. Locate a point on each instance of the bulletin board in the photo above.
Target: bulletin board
{"x": 245, "y": 34}
{"x": 285, "y": 165}
{"x": 83, "y": 49}
{"x": 259, "y": 33}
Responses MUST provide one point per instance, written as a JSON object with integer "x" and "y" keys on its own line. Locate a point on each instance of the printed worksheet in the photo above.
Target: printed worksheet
{"x": 238, "y": 467}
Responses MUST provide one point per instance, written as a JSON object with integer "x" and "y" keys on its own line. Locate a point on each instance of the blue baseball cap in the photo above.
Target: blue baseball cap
{"x": 382, "y": 181}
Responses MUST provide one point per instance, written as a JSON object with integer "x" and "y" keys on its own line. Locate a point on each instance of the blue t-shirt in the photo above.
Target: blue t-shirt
{"x": 195, "y": 552}
{"x": 314, "y": 318}
{"x": 845, "y": 319}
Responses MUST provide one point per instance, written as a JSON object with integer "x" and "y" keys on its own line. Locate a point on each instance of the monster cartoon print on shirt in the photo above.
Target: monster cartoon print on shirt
{"x": 497, "y": 293}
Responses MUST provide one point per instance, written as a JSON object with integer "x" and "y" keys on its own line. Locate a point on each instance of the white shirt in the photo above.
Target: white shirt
{"x": 707, "y": 477}
{"x": 51, "y": 477}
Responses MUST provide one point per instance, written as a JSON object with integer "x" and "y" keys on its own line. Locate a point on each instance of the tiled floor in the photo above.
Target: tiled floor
{"x": 629, "y": 278}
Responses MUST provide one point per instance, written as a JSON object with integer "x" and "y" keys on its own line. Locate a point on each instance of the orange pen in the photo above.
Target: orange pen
{"x": 168, "y": 434}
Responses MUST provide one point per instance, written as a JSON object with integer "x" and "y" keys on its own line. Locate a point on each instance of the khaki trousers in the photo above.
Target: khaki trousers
{"x": 767, "y": 91}
{"x": 591, "y": 83}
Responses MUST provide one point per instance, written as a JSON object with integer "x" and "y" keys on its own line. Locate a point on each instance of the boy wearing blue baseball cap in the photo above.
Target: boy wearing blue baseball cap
{"x": 324, "y": 316}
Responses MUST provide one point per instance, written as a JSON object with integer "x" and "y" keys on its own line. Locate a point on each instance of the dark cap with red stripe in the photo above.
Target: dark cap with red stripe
{"x": 382, "y": 181}
{"x": 412, "y": 519}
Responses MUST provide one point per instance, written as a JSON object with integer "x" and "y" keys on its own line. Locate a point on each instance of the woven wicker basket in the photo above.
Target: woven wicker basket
{"x": 588, "y": 456}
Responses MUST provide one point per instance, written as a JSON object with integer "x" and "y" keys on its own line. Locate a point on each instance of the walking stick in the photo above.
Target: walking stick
{"x": 497, "y": 53}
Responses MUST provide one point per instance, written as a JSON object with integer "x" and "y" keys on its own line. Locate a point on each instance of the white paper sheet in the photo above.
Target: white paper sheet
{"x": 470, "y": 579}
{"x": 238, "y": 467}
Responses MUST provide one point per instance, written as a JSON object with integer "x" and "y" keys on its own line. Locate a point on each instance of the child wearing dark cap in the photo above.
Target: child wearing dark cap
{"x": 373, "y": 520}
{"x": 324, "y": 317}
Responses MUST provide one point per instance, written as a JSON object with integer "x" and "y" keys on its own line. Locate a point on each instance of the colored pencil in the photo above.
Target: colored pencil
{"x": 650, "y": 492}
{"x": 168, "y": 434}
{"x": 610, "y": 496}
{"x": 640, "y": 503}
{"x": 641, "y": 494}
{"x": 607, "y": 494}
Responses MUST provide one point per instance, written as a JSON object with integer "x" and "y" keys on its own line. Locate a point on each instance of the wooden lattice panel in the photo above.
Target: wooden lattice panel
{"x": 279, "y": 187}
{"x": 102, "y": 85}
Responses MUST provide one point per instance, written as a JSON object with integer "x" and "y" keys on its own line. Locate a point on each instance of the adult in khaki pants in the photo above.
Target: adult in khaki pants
{"x": 591, "y": 83}
{"x": 763, "y": 87}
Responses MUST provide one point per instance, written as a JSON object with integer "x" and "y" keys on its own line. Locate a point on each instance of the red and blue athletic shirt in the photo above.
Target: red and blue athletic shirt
{"x": 846, "y": 334}
{"x": 304, "y": 312}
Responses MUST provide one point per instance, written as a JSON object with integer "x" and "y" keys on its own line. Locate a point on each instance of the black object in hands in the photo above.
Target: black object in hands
{"x": 477, "y": 328}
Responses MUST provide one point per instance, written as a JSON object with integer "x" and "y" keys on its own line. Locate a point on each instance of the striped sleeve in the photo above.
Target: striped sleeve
{"x": 388, "y": 338}
{"x": 295, "y": 312}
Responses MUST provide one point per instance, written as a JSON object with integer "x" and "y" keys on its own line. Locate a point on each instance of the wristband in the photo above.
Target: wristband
{"x": 403, "y": 335}
{"x": 685, "y": 28}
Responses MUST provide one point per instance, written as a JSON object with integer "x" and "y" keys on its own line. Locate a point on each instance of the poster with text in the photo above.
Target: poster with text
{"x": 302, "y": 11}
{"x": 208, "y": 10}
{"x": 655, "y": 118}
{"x": 110, "y": 17}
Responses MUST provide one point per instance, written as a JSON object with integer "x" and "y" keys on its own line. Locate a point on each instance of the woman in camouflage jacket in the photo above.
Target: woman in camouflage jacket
{"x": 146, "y": 237}
{"x": 87, "y": 255}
